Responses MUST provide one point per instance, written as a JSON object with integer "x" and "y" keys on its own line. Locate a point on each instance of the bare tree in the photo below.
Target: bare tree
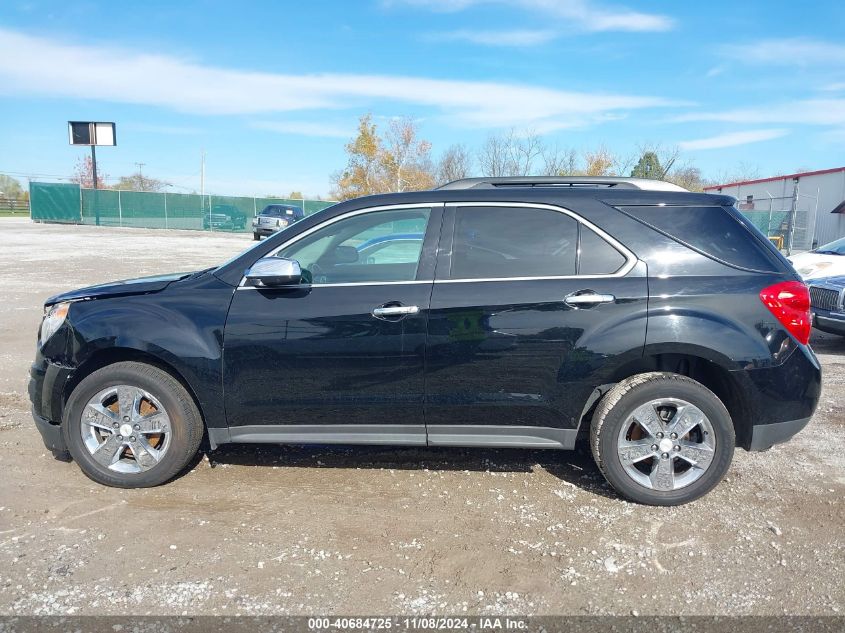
{"x": 406, "y": 158}
{"x": 494, "y": 157}
{"x": 558, "y": 162}
{"x": 454, "y": 164}
{"x": 524, "y": 150}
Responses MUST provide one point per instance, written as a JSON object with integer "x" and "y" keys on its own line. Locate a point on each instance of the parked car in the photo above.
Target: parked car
{"x": 827, "y": 298}
{"x": 657, "y": 324}
{"x": 224, "y": 217}
{"x": 824, "y": 261}
{"x": 275, "y": 217}
{"x": 389, "y": 248}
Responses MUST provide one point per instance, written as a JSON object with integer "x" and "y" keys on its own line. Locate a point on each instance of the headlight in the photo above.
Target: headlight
{"x": 54, "y": 316}
{"x": 254, "y": 221}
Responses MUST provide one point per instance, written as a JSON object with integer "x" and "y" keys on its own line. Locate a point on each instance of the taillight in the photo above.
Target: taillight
{"x": 789, "y": 301}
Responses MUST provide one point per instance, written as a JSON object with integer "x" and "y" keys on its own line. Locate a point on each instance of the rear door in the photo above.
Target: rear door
{"x": 531, "y": 309}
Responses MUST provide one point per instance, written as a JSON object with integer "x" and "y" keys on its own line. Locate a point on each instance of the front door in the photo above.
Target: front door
{"x": 339, "y": 359}
{"x": 530, "y": 309}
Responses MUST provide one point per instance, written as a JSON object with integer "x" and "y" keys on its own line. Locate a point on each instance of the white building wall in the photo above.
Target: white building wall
{"x": 829, "y": 188}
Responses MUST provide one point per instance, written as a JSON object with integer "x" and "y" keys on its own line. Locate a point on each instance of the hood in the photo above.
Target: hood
{"x": 142, "y": 285}
{"x": 815, "y": 265}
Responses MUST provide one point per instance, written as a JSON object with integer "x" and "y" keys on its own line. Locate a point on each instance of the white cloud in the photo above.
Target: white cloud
{"x": 584, "y": 14}
{"x": 796, "y": 51}
{"x": 732, "y": 139}
{"x": 50, "y": 68}
{"x": 498, "y": 38}
{"x": 305, "y": 128}
{"x": 801, "y": 112}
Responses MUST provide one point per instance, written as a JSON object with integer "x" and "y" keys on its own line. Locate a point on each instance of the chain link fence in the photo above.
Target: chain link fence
{"x": 789, "y": 220}
{"x": 61, "y": 202}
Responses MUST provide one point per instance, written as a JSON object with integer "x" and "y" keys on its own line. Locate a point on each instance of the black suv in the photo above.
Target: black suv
{"x": 658, "y": 324}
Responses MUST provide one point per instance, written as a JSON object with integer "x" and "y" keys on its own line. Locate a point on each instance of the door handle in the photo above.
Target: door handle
{"x": 587, "y": 299}
{"x": 394, "y": 311}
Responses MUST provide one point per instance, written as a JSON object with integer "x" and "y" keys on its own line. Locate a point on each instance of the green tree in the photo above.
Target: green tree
{"x": 138, "y": 182}
{"x": 648, "y": 167}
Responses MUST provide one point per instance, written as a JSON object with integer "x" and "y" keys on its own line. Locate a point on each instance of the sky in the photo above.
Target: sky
{"x": 271, "y": 91}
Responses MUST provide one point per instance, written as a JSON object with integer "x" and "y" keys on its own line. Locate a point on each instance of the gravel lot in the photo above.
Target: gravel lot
{"x": 315, "y": 530}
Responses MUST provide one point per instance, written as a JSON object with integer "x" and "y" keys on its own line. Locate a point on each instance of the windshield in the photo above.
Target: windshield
{"x": 279, "y": 212}
{"x": 834, "y": 248}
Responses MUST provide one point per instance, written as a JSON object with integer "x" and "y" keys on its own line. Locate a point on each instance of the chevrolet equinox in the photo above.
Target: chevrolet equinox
{"x": 657, "y": 324}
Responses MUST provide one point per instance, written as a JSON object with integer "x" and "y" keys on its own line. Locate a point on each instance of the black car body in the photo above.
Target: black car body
{"x": 501, "y": 333}
{"x": 827, "y": 297}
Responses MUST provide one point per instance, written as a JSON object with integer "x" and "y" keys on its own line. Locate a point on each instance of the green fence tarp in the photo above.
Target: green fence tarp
{"x": 770, "y": 223}
{"x": 54, "y": 202}
{"x": 154, "y": 210}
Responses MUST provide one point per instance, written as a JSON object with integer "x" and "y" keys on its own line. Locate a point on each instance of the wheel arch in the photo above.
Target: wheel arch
{"x": 111, "y": 355}
{"x": 691, "y": 363}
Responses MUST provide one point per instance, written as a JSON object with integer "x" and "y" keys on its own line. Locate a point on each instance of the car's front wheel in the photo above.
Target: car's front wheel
{"x": 131, "y": 425}
{"x": 662, "y": 439}
{"x": 256, "y": 236}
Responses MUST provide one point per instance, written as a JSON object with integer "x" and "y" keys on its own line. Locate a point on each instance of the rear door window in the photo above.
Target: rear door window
{"x": 506, "y": 242}
{"x": 596, "y": 256}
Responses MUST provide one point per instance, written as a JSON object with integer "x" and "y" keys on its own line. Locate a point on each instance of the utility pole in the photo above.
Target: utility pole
{"x": 141, "y": 176}
{"x": 94, "y": 168}
{"x": 202, "y": 180}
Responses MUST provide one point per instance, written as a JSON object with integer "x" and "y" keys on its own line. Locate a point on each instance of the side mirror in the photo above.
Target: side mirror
{"x": 273, "y": 272}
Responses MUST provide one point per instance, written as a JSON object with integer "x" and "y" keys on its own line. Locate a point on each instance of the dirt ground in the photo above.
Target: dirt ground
{"x": 316, "y": 530}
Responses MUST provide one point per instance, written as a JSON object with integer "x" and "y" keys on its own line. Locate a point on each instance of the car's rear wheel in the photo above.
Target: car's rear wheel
{"x": 131, "y": 425}
{"x": 662, "y": 439}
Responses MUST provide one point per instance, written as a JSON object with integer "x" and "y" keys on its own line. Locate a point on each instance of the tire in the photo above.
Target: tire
{"x": 164, "y": 424}
{"x": 256, "y": 237}
{"x": 698, "y": 460}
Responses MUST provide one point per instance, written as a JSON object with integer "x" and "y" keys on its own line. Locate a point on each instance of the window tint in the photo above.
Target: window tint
{"x": 341, "y": 252}
{"x": 492, "y": 242}
{"x": 710, "y": 230}
{"x": 596, "y": 256}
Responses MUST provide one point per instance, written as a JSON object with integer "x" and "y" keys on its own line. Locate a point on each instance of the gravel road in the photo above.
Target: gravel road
{"x": 315, "y": 530}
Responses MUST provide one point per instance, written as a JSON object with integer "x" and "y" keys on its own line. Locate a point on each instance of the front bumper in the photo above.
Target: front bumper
{"x": 47, "y": 381}
{"x": 51, "y": 434}
{"x": 831, "y": 322}
{"x": 263, "y": 230}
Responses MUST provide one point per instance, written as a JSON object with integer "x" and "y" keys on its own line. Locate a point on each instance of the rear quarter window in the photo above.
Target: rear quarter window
{"x": 712, "y": 231}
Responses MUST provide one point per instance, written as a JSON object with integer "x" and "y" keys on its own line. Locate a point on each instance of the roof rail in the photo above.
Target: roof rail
{"x": 609, "y": 182}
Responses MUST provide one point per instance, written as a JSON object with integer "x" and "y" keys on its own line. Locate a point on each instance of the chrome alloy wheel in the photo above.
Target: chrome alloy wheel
{"x": 126, "y": 429}
{"x": 666, "y": 444}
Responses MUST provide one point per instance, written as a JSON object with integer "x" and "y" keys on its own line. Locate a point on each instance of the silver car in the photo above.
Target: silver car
{"x": 275, "y": 217}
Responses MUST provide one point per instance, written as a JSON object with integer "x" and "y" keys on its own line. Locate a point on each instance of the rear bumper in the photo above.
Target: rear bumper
{"x": 765, "y": 436}
{"x": 780, "y": 399}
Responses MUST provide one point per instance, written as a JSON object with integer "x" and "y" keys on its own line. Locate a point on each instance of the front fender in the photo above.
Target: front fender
{"x": 181, "y": 327}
